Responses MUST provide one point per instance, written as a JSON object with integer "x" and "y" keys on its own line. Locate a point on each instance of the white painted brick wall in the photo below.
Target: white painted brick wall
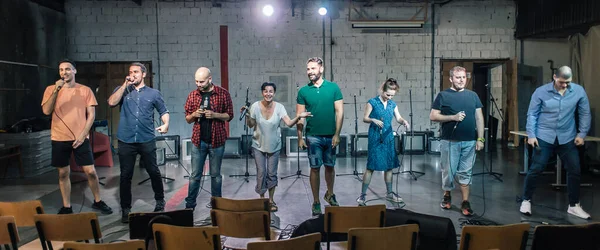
{"x": 189, "y": 38}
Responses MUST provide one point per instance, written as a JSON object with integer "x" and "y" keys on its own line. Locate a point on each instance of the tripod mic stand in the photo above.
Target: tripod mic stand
{"x": 491, "y": 102}
{"x": 298, "y": 173}
{"x": 410, "y": 171}
{"x": 354, "y": 142}
{"x": 244, "y": 114}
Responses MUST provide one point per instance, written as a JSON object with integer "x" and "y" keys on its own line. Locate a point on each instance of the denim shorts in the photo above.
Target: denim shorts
{"x": 320, "y": 151}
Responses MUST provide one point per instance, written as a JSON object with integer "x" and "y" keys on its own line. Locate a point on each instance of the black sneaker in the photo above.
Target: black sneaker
{"x": 65, "y": 210}
{"x": 160, "y": 206}
{"x": 465, "y": 208}
{"x": 104, "y": 209}
{"x": 125, "y": 215}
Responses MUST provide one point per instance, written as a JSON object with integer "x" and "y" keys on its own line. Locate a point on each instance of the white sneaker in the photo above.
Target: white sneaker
{"x": 525, "y": 207}
{"x": 393, "y": 197}
{"x": 578, "y": 211}
{"x": 361, "y": 200}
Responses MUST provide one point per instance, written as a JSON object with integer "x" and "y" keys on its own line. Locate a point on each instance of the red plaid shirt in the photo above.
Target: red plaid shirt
{"x": 220, "y": 102}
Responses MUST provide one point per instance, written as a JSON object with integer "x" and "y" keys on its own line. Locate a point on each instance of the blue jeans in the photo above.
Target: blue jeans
{"x": 457, "y": 159}
{"x": 198, "y": 158}
{"x": 320, "y": 151}
{"x": 266, "y": 170}
{"x": 570, "y": 161}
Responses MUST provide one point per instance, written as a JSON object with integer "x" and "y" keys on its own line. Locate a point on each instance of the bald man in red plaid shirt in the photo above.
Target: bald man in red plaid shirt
{"x": 209, "y": 108}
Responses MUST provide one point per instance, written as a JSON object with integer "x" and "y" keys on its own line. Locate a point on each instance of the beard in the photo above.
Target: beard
{"x": 314, "y": 77}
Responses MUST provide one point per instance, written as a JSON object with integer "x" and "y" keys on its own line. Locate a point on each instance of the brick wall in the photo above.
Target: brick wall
{"x": 280, "y": 44}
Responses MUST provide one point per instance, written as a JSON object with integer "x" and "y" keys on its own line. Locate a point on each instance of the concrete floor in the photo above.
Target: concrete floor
{"x": 294, "y": 198}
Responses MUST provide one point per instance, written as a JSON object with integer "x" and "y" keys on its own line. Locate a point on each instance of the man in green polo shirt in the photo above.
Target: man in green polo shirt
{"x": 325, "y": 101}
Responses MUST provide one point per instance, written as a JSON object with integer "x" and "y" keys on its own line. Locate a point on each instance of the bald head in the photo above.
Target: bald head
{"x": 562, "y": 78}
{"x": 203, "y": 79}
{"x": 565, "y": 73}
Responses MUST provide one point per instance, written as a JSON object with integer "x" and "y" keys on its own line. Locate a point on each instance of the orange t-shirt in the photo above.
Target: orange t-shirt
{"x": 69, "y": 116}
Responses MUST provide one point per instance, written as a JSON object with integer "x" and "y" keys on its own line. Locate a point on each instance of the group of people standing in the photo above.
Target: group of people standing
{"x": 318, "y": 119}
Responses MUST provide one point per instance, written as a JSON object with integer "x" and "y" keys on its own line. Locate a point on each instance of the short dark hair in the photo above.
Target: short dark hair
{"x": 67, "y": 61}
{"x": 315, "y": 59}
{"x": 390, "y": 84}
{"x": 139, "y": 64}
{"x": 266, "y": 84}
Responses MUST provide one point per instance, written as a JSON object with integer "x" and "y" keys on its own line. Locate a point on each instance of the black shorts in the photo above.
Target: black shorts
{"x": 61, "y": 153}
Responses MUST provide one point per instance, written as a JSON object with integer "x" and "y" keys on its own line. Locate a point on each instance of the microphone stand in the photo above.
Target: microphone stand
{"x": 298, "y": 173}
{"x": 489, "y": 144}
{"x": 356, "y": 174}
{"x": 248, "y": 141}
{"x": 410, "y": 171}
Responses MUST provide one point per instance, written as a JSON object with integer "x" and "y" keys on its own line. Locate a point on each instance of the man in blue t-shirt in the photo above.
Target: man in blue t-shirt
{"x": 459, "y": 111}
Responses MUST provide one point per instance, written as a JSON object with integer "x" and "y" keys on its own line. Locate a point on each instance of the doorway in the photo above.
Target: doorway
{"x": 103, "y": 78}
{"x": 487, "y": 78}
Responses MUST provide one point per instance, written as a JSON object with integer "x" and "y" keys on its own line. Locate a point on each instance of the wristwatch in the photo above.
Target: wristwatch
{"x": 481, "y": 139}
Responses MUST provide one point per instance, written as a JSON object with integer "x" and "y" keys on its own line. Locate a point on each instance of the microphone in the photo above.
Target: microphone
{"x": 381, "y": 132}
{"x": 247, "y": 105}
{"x": 457, "y": 122}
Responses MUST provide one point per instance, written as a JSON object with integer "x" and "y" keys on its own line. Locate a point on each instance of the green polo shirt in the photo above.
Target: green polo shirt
{"x": 320, "y": 102}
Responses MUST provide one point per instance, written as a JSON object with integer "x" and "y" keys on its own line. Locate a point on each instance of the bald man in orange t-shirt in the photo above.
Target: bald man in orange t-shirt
{"x": 72, "y": 106}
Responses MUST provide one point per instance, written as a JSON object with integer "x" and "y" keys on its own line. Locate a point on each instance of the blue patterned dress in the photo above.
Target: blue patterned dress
{"x": 381, "y": 151}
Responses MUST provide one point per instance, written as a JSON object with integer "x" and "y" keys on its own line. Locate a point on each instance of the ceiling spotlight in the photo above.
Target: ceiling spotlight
{"x": 322, "y": 11}
{"x": 268, "y": 10}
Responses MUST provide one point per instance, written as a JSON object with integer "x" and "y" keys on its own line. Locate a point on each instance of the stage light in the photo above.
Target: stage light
{"x": 322, "y": 11}
{"x": 268, "y": 10}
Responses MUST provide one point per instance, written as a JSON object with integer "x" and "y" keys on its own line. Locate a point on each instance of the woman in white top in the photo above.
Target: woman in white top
{"x": 265, "y": 117}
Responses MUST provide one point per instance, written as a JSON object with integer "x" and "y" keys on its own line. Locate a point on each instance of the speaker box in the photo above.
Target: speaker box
{"x": 359, "y": 146}
{"x": 171, "y": 145}
{"x": 233, "y": 146}
{"x": 418, "y": 143}
{"x": 246, "y": 144}
{"x": 291, "y": 143}
{"x": 435, "y": 233}
{"x": 160, "y": 156}
{"x": 342, "y": 148}
{"x": 140, "y": 227}
{"x": 433, "y": 146}
{"x": 186, "y": 149}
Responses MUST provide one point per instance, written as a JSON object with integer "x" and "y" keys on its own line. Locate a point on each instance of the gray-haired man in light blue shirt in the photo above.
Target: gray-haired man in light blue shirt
{"x": 551, "y": 128}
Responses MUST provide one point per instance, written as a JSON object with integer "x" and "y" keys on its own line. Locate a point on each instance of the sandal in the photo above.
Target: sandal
{"x": 273, "y": 207}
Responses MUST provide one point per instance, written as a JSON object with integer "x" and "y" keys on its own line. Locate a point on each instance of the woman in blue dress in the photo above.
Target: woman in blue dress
{"x": 379, "y": 112}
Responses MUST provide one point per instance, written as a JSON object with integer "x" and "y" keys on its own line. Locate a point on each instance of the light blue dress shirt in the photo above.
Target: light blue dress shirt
{"x": 552, "y": 115}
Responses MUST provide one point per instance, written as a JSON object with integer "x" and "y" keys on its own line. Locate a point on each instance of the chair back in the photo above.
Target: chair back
{"x": 580, "y": 237}
{"x": 305, "y": 242}
{"x": 512, "y": 236}
{"x": 341, "y": 219}
{"x": 403, "y": 237}
{"x": 167, "y": 237}
{"x": 23, "y": 211}
{"x": 242, "y": 224}
{"x": 67, "y": 227}
{"x": 8, "y": 231}
{"x": 261, "y": 204}
{"x": 127, "y": 245}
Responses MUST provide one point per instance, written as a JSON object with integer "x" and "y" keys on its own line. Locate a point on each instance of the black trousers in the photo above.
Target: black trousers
{"x": 127, "y": 155}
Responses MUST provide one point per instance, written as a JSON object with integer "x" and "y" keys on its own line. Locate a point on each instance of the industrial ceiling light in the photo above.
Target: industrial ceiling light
{"x": 322, "y": 11}
{"x": 268, "y": 10}
{"x": 387, "y": 24}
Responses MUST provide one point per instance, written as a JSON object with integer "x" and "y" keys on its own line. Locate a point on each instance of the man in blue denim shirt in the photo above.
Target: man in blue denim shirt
{"x": 551, "y": 128}
{"x": 136, "y": 134}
